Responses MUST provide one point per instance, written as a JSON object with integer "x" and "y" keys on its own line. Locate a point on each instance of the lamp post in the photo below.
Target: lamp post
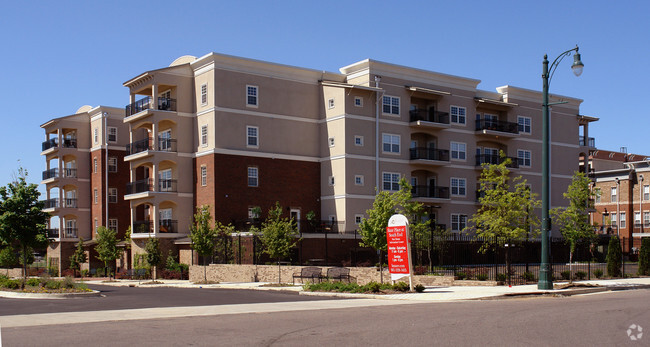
{"x": 641, "y": 202}
{"x": 545, "y": 281}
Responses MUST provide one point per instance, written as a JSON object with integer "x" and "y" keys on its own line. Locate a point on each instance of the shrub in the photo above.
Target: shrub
{"x": 85, "y": 273}
{"x": 598, "y": 273}
{"x": 419, "y": 288}
{"x": 461, "y": 275}
{"x": 644, "y": 257}
{"x": 53, "y": 285}
{"x": 566, "y": 275}
{"x": 482, "y": 277}
{"x": 528, "y": 276}
{"x": 614, "y": 254}
{"x": 68, "y": 282}
{"x": 501, "y": 277}
{"x": 401, "y": 287}
{"x": 581, "y": 275}
{"x": 373, "y": 287}
{"x": 11, "y": 284}
{"x": 34, "y": 282}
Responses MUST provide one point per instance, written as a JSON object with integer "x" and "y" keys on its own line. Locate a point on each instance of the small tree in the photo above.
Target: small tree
{"x": 506, "y": 208}
{"x": 279, "y": 235}
{"x": 7, "y": 258}
{"x": 203, "y": 236}
{"x": 154, "y": 255}
{"x": 614, "y": 254}
{"x": 573, "y": 220}
{"x": 22, "y": 220}
{"x": 644, "y": 257}
{"x": 78, "y": 257}
{"x": 106, "y": 248}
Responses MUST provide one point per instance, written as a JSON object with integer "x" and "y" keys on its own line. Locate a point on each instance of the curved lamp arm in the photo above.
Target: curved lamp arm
{"x": 576, "y": 66}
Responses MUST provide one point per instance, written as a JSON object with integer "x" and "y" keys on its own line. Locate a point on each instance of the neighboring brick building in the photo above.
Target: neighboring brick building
{"x": 237, "y": 134}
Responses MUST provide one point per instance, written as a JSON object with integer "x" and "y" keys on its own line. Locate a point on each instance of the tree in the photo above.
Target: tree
{"x": 279, "y": 235}
{"x": 154, "y": 255}
{"x": 614, "y": 255}
{"x": 106, "y": 248}
{"x": 506, "y": 208}
{"x": 573, "y": 220}
{"x": 644, "y": 257}
{"x": 22, "y": 220}
{"x": 79, "y": 256}
{"x": 203, "y": 236}
{"x": 8, "y": 258}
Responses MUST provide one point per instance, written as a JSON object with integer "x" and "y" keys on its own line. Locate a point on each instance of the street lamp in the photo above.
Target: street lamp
{"x": 545, "y": 281}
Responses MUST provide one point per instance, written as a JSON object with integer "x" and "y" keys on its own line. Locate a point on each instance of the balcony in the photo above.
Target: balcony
{"x": 53, "y": 233}
{"x": 591, "y": 142}
{"x": 71, "y": 233}
{"x": 70, "y": 202}
{"x": 496, "y": 159}
{"x": 167, "y": 186}
{"x": 70, "y": 142}
{"x": 430, "y": 116}
{"x": 168, "y": 226}
{"x": 51, "y": 143}
{"x": 164, "y": 104}
{"x": 487, "y": 126}
{"x": 140, "y": 186}
{"x": 51, "y": 173}
{"x": 166, "y": 144}
{"x": 70, "y": 172}
{"x": 139, "y": 146}
{"x": 142, "y": 227}
{"x": 423, "y": 153}
{"x": 434, "y": 192}
{"x": 51, "y": 203}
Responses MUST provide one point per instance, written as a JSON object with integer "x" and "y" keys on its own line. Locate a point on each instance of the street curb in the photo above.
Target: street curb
{"x": 17, "y": 295}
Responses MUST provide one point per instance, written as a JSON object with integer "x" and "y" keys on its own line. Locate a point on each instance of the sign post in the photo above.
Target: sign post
{"x": 399, "y": 250}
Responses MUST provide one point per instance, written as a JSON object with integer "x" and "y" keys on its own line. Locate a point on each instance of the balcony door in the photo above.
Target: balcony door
{"x": 165, "y": 220}
{"x": 164, "y": 140}
{"x": 432, "y": 187}
{"x": 295, "y": 215}
{"x": 70, "y": 228}
{"x": 165, "y": 180}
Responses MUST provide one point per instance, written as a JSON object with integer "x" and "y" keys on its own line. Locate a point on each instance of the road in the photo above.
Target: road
{"x": 597, "y": 319}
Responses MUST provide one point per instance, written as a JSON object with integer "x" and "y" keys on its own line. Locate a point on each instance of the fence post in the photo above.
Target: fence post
{"x": 454, "y": 255}
{"x": 623, "y": 257}
{"x": 589, "y": 268}
{"x": 431, "y": 251}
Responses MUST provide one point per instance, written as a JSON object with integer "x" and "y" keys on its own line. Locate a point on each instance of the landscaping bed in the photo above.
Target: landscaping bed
{"x": 370, "y": 288}
{"x": 43, "y": 284}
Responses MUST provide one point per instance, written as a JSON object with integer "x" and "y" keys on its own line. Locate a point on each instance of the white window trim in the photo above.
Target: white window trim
{"x": 360, "y": 144}
{"x": 95, "y": 196}
{"x": 108, "y": 136}
{"x": 360, "y": 217}
{"x": 399, "y": 106}
{"x": 96, "y": 135}
{"x": 257, "y": 136}
{"x": 522, "y": 162}
{"x": 330, "y": 103}
{"x": 451, "y": 115}
{"x": 331, "y": 181}
{"x": 399, "y": 175}
{"x": 613, "y": 190}
{"x": 451, "y": 218}
{"x": 248, "y": 176}
{"x": 94, "y": 164}
{"x": 360, "y": 99}
{"x": 451, "y": 186}
{"x": 646, "y": 190}
{"x": 109, "y": 164}
{"x": 451, "y": 145}
{"x": 204, "y": 175}
{"x": 530, "y": 120}
{"x": 399, "y": 144}
{"x": 331, "y": 141}
{"x": 111, "y": 220}
{"x": 361, "y": 180}
{"x": 110, "y": 191}
{"x": 622, "y": 220}
{"x": 204, "y": 100}
{"x": 257, "y": 96}
{"x": 204, "y": 140}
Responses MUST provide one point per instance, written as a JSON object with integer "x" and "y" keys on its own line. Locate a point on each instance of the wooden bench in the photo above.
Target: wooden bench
{"x": 339, "y": 274}
{"x": 309, "y": 272}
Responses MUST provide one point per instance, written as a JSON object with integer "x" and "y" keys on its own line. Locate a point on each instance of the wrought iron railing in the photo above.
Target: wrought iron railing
{"x": 138, "y": 106}
{"x": 70, "y": 142}
{"x": 167, "y": 185}
{"x": 51, "y": 173}
{"x": 53, "y": 233}
{"x": 497, "y": 125}
{"x": 495, "y": 159}
{"x": 139, "y": 186}
{"x": 51, "y": 203}
{"x": 168, "y": 226}
{"x": 591, "y": 142}
{"x": 429, "y": 154}
{"x": 166, "y": 144}
{"x": 429, "y": 115}
{"x": 430, "y": 192}
{"x": 51, "y": 143}
{"x": 142, "y": 226}
{"x": 139, "y": 146}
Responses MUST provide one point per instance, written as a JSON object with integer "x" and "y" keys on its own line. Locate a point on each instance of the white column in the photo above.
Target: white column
{"x": 154, "y": 96}
{"x": 154, "y": 212}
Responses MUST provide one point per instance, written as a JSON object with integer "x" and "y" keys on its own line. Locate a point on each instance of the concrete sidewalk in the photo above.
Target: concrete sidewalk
{"x": 431, "y": 294}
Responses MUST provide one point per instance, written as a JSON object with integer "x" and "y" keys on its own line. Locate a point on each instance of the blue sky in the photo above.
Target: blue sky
{"x": 58, "y": 56}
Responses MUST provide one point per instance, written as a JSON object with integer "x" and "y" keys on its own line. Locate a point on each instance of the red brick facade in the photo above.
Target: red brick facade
{"x": 119, "y": 180}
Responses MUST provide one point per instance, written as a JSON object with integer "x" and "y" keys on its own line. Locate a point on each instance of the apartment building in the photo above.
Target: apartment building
{"x": 237, "y": 134}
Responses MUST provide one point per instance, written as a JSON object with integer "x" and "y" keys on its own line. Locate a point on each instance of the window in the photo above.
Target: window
{"x": 637, "y": 219}
{"x": 358, "y": 218}
{"x": 613, "y": 194}
{"x": 112, "y": 195}
{"x": 646, "y": 218}
{"x": 252, "y": 138}
{"x": 458, "y": 222}
{"x": 165, "y": 180}
{"x": 112, "y": 134}
{"x": 646, "y": 192}
{"x": 204, "y": 135}
{"x": 112, "y": 224}
{"x": 165, "y": 141}
{"x": 613, "y": 219}
{"x": 254, "y": 212}
{"x": 96, "y": 225}
{"x": 391, "y": 181}
{"x": 391, "y": 143}
{"x": 458, "y": 186}
{"x": 112, "y": 164}
{"x": 358, "y": 180}
{"x": 204, "y": 175}
{"x": 252, "y": 177}
{"x": 523, "y": 157}
{"x": 622, "y": 221}
{"x": 204, "y": 94}
{"x": 330, "y": 103}
{"x": 358, "y": 101}
{"x": 390, "y": 105}
{"x": 330, "y": 181}
{"x": 458, "y": 150}
{"x": 597, "y": 193}
{"x": 96, "y": 135}
{"x": 358, "y": 140}
{"x": 251, "y": 96}
{"x": 458, "y": 115}
{"x": 523, "y": 124}
{"x": 95, "y": 196}
{"x": 330, "y": 141}
{"x": 95, "y": 165}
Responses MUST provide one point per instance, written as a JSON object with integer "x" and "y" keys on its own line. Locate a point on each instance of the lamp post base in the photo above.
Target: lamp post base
{"x": 545, "y": 281}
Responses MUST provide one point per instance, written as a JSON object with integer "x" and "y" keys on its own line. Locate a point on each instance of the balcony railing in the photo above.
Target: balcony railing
{"x": 497, "y": 125}
{"x": 71, "y": 232}
{"x": 70, "y": 142}
{"x": 142, "y": 226}
{"x": 429, "y": 154}
{"x": 140, "y": 186}
{"x": 430, "y": 192}
{"x": 70, "y": 172}
{"x": 139, "y": 146}
{"x": 167, "y": 186}
{"x": 495, "y": 159}
{"x": 51, "y": 203}
{"x": 591, "y": 142}
{"x": 168, "y": 226}
{"x": 51, "y": 173}
{"x": 166, "y": 144}
{"x": 429, "y": 115}
{"x": 70, "y": 202}
{"x": 51, "y": 143}
{"x": 53, "y": 233}
{"x": 165, "y": 104}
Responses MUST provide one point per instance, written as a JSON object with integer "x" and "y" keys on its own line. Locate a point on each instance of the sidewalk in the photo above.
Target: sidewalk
{"x": 431, "y": 294}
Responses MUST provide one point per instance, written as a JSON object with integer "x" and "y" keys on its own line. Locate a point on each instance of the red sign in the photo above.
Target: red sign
{"x": 398, "y": 257}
